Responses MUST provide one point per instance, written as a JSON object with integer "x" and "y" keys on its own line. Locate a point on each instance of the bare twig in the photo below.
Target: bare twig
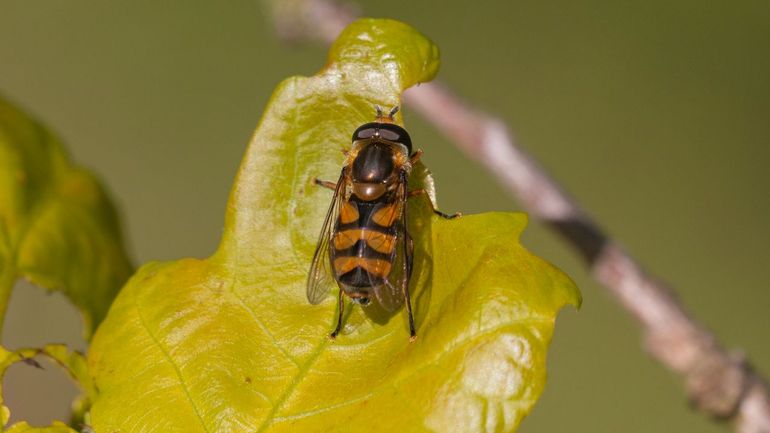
{"x": 721, "y": 384}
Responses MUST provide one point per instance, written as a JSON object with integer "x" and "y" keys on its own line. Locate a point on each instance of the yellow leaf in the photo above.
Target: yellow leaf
{"x": 230, "y": 344}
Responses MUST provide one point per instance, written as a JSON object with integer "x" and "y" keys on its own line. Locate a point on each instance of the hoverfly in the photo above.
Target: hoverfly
{"x": 364, "y": 244}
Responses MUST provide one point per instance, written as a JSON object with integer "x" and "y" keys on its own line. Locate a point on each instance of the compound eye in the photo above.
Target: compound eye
{"x": 389, "y": 135}
{"x": 364, "y": 134}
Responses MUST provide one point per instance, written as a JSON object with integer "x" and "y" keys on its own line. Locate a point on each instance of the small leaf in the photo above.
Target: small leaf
{"x": 58, "y": 228}
{"x": 73, "y": 363}
{"x": 230, "y": 343}
{"x": 56, "y": 427}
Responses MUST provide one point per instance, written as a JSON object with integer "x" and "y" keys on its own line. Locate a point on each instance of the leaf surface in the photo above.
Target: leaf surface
{"x": 56, "y": 427}
{"x": 74, "y": 363}
{"x": 230, "y": 344}
{"x": 59, "y": 230}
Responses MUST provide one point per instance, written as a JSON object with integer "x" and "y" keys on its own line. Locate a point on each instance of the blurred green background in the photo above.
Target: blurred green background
{"x": 655, "y": 115}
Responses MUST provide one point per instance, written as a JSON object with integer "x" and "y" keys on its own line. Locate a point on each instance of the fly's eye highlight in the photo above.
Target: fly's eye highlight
{"x": 365, "y": 131}
{"x": 364, "y": 134}
{"x": 389, "y": 135}
{"x": 396, "y": 134}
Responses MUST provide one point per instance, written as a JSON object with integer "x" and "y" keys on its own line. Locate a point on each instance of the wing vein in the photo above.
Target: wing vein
{"x": 320, "y": 280}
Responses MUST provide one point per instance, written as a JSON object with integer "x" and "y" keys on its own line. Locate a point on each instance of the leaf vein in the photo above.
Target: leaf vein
{"x": 293, "y": 385}
{"x": 304, "y": 369}
{"x": 383, "y": 387}
{"x": 170, "y": 360}
{"x": 262, "y": 325}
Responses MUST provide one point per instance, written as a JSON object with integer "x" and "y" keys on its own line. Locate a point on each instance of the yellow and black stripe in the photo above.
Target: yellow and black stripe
{"x": 364, "y": 242}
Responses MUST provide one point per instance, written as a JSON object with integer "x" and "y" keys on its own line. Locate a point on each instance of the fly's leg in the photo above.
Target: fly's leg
{"x": 413, "y": 160}
{"x": 325, "y": 183}
{"x": 420, "y": 191}
{"x": 407, "y": 274}
{"x": 334, "y": 334}
{"x": 415, "y": 156}
{"x": 339, "y": 317}
{"x": 412, "y": 332}
{"x": 447, "y": 216}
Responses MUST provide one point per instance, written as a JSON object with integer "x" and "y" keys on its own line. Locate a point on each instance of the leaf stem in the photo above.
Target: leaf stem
{"x": 7, "y": 281}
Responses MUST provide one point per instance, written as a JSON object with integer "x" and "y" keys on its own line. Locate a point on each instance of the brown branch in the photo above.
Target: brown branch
{"x": 721, "y": 384}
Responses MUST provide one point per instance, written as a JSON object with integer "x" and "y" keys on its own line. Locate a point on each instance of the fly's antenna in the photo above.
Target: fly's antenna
{"x": 390, "y": 118}
{"x": 393, "y": 112}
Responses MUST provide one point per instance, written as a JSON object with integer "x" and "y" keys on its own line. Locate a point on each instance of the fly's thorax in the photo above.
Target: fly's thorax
{"x": 374, "y": 168}
{"x": 374, "y": 163}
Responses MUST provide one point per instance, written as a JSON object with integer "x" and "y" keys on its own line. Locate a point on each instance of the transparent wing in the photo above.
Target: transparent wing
{"x": 390, "y": 294}
{"x": 320, "y": 279}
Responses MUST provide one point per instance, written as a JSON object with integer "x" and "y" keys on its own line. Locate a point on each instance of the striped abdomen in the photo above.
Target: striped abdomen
{"x": 364, "y": 243}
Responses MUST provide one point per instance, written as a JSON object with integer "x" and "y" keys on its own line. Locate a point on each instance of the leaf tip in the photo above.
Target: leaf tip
{"x": 407, "y": 55}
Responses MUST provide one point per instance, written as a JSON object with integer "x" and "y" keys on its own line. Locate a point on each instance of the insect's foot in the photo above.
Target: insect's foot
{"x": 333, "y": 336}
{"x": 448, "y": 216}
{"x": 325, "y": 183}
{"x": 412, "y": 338}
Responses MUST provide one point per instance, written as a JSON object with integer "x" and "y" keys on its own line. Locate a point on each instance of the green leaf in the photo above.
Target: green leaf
{"x": 58, "y": 228}
{"x": 74, "y": 363}
{"x": 56, "y": 427}
{"x": 230, "y": 343}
